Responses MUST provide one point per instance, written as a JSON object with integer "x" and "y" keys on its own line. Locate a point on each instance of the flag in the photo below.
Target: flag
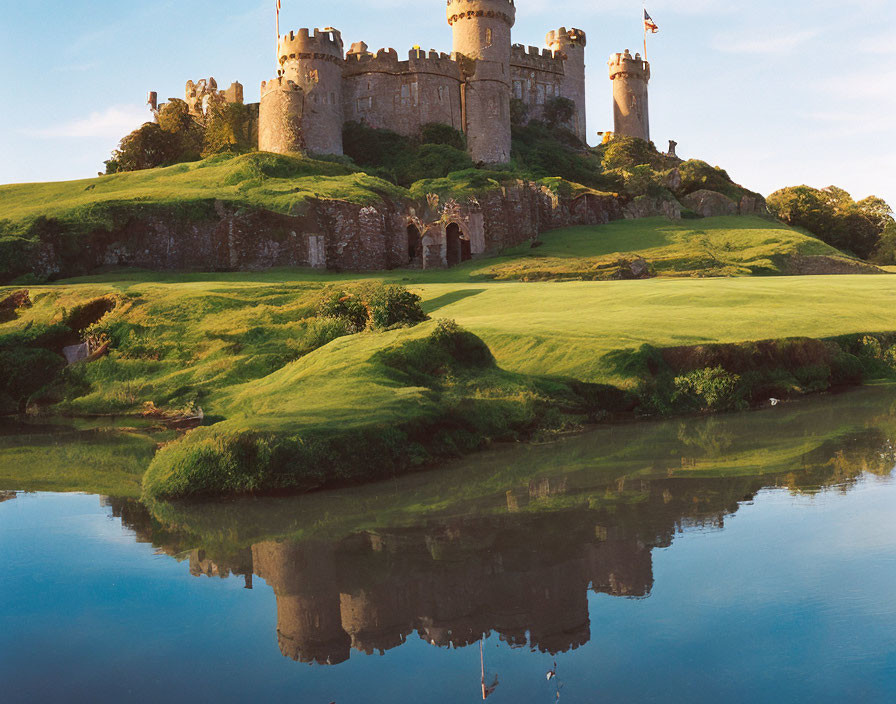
{"x": 649, "y": 24}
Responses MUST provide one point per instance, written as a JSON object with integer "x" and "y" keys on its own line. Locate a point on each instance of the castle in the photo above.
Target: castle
{"x": 474, "y": 89}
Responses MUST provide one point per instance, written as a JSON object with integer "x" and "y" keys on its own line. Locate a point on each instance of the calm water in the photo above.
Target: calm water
{"x": 745, "y": 558}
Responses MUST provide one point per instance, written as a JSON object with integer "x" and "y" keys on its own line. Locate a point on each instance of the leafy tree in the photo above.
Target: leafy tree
{"x": 834, "y": 217}
{"x": 226, "y": 127}
{"x": 559, "y": 112}
{"x": 146, "y": 147}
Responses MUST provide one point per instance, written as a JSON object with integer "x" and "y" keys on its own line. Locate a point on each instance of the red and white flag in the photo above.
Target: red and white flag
{"x": 649, "y": 24}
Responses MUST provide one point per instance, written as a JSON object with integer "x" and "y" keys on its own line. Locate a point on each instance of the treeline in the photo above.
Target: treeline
{"x": 178, "y": 136}
{"x": 866, "y": 228}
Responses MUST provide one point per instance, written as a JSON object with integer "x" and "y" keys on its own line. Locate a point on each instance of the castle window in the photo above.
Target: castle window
{"x": 518, "y": 90}
{"x": 488, "y": 36}
{"x": 539, "y": 93}
{"x": 365, "y": 103}
{"x": 332, "y": 98}
{"x": 441, "y": 92}
{"x": 409, "y": 94}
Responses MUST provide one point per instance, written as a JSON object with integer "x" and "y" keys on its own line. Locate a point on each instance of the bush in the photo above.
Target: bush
{"x": 435, "y": 161}
{"x": 371, "y": 307}
{"x": 440, "y": 133}
{"x": 710, "y": 389}
{"x": 559, "y": 111}
{"x": 628, "y": 152}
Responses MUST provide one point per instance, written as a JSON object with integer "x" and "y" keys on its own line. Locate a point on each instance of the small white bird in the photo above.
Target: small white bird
{"x": 774, "y": 401}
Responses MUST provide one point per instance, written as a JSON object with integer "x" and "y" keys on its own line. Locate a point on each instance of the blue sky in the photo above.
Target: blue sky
{"x": 778, "y": 92}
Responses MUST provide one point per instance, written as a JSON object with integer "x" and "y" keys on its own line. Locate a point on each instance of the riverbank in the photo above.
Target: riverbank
{"x": 291, "y": 400}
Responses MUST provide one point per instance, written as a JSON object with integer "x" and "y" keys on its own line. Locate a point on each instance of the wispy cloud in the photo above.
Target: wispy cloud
{"x": 779, "y": 44}
{"x": 111, "y": 123}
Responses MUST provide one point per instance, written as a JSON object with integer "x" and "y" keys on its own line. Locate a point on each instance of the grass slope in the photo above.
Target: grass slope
{"x": 274, "y": 182}
{"x": 238, "y": 345}
{"x": 721, "y": 246}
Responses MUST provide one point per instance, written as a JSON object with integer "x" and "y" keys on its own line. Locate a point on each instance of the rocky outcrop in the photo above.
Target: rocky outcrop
{"x": 709, "y": 204}
{"x": 648, "y": 207}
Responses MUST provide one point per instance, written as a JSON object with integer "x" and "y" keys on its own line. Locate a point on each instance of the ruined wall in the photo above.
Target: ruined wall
{"x": 630, "y": 76}
{"x": 329, "y": 234}
{"x": 383, "y": 92}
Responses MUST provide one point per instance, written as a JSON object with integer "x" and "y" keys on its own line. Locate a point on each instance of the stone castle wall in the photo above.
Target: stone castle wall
{"x": 383, "y": 92}
{"x": 330, "y": 234}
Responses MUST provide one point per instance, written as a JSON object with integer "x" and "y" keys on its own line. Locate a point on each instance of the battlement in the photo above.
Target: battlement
{"x": 322, "y": 44}
{"x": 538, "y": 59}
{"x": 279, "y": 83}
{"x": 467, "y": 9}
{"x": 560, "y": 38}
{"x": 418, "y": 61}
{"x": 629, "y": 65}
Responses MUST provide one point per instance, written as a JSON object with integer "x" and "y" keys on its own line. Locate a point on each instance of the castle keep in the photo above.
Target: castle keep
{"x": 320, "y": 86}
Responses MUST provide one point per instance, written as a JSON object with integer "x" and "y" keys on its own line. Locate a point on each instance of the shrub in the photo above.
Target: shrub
{"x": 373, "y": 307}
{"x": 627, "y": 152}
{"x": 559, "y": 111}
{"x": 435, "y": 161}
{"x": 440, "y": 133}
{"x": 711, "y": 389}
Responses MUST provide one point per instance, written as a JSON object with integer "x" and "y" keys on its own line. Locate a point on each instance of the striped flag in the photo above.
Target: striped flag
{"x": 649, "y": 24}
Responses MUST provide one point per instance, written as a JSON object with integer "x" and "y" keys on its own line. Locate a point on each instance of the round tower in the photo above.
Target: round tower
{"x": 481, "y": 30}
{"x": 571, "y": 43}
{"x": 280, "y": 117}
{"x": 313, "y": 62}
{"x": 630, "y": 76}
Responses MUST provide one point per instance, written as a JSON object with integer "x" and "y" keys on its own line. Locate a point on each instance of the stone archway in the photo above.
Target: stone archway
{"x": 457, "y": 245}
{"x": 415, "y": 243}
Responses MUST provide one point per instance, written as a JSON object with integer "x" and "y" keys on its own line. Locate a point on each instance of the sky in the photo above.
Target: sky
{"x": 777, "y": 92}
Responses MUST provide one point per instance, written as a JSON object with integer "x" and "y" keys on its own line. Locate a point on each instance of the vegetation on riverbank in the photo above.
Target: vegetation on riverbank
{"x": 290, "y": 405}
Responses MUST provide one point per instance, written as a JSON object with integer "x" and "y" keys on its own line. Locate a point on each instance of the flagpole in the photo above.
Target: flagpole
{"x": 644, "y": 24}
{"x": 277, "y": 45}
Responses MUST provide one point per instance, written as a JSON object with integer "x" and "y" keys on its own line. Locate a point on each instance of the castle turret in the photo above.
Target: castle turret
{"x": 630, "y": 76}
{"x": 481, "y": 30}
{"x": 571, "y": 43}
{"x": 310, "y": 65}
{"x": 280, "y": 117}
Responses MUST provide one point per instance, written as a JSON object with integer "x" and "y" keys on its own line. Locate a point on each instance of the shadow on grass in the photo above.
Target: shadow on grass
{"x": 448, "y": 298}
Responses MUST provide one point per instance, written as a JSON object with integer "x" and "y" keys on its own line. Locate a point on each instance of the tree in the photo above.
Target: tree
{"x": 558, "y": 112}
{"x": 146, "y": 147}
{"x": 226, "y": 127}
{"x": 834, "y": 217}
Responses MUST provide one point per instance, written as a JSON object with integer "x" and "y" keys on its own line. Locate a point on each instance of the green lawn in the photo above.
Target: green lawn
{"x": 278, "y": 183}
{"x": 238, "y": 344}
{"x": 721, "y": 246}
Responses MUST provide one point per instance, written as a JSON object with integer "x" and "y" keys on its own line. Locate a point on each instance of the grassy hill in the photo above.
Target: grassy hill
{"x": 720, "y": 246}
{"x": 282, "y": 391}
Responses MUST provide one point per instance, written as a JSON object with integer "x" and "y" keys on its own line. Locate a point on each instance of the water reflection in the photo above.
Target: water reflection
{"x": 511, "y": 542}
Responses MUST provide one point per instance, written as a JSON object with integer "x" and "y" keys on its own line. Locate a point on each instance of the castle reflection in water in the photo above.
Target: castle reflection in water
{"x": 519, "y": 564}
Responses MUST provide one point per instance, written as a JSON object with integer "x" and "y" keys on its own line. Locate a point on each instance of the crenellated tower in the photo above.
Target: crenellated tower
{"x": 481, "y": 31}
{"x": 630, "y": 75}
{"x": 309, "y": 81}
{"x": 571, "y": 44}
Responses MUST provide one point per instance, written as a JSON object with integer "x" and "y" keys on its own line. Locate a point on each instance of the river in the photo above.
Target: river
{"x": 741, "y": 558}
